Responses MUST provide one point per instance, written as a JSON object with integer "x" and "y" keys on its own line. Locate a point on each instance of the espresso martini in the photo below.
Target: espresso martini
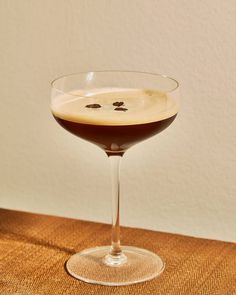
{"x": 133, "y": 107}
{"x": 114, "y": 118}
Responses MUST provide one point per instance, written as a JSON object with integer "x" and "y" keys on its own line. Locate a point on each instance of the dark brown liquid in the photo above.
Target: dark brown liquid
{"x": 115, "y": 139}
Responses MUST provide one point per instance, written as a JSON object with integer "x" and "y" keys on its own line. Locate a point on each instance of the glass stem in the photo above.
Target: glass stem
{"x": 115, "y": 257}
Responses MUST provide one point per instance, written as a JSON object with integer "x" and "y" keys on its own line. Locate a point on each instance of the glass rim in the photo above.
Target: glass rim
{"x": 52, "y": 83}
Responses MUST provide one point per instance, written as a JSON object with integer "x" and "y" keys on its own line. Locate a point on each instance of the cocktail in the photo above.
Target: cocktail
{"x": 115, "y": 110}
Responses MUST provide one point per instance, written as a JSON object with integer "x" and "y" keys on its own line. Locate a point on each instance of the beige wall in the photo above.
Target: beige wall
{"x": 180, "y": 181}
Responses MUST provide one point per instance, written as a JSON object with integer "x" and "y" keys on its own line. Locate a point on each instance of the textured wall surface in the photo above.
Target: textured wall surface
{"x": 182, "y": 180}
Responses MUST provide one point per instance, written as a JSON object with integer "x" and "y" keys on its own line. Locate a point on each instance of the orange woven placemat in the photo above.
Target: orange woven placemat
{"x": 34, "y": 248}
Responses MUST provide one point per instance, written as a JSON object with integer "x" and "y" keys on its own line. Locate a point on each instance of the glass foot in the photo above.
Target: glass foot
{"x": 91, "y": 266}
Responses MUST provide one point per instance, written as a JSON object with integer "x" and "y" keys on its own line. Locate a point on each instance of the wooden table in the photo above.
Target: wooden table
{"x": 34, "y": 249}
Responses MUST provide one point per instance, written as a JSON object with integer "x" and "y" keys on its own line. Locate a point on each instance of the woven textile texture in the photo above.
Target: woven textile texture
{"x": 34, "y": 249}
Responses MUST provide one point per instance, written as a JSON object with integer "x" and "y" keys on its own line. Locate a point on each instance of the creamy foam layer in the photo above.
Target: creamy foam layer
{"x": 143, "y": 106}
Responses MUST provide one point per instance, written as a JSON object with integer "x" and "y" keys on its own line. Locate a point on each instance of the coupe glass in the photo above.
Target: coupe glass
{"x": 115, "y": 110}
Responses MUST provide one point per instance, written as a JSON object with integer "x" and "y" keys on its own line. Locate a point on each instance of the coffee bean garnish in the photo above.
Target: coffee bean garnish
{"x": 93, "y": 106}
{"x": 121, "y": 109}
{"x": 118, "y": 103}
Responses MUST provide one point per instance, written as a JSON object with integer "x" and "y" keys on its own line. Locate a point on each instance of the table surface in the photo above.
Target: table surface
{"x": 34, "y": 249}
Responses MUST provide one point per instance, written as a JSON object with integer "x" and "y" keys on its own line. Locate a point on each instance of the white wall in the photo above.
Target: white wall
{"x": 180, "y": 181}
